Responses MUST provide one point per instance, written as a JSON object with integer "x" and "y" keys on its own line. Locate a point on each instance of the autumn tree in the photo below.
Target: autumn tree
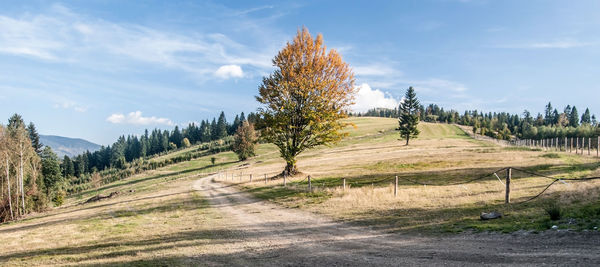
{"x": 186, "y": 142}
{"x": 244, "y": 141}
{"x": 409, "y": 117}
{"x": 305, "y": 97}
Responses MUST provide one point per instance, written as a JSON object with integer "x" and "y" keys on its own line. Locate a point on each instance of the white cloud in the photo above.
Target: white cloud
{"x": 229, "y": 71}
{"x": 136, "y": 118}
{"x": 367, "y": 98}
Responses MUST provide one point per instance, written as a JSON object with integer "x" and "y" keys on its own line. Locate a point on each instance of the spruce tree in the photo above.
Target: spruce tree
{"x": 221, "y": 126}
{"x": 50, "y": 169}
{"x": 548, "y": 114}
{"x": 35, "y": 138}
{"x": 574, "y": 118}
{"x": 586, "y": 117}
{"x": 409, "y": 117}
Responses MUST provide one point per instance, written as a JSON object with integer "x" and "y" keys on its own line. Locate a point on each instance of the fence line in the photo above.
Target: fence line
{"x": 394, "y": 179}
{"x": 589, "y": 146}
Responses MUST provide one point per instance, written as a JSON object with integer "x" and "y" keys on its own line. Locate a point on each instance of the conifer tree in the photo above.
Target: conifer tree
{"x": 244, "y": 141}
{"x": 221, "y": 126}
{"x": 574, "y": 118}
{"x": 409, "y": 117}
{"x": 586, "y": 117}
{"x": 35, "y": 138}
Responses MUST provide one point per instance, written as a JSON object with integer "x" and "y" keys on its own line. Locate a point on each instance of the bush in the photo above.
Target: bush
{"x": 554, "y": 211}
{"x": 59, "y": 198}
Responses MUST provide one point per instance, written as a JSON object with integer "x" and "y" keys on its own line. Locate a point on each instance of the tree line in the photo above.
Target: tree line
{"x": 33, "y": 176}
{"x": 127, "y": 149}
{"x": 503, "y": 125}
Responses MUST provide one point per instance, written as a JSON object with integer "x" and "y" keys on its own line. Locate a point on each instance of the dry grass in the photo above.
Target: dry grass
{"x": 164, "y": 223}
{"x": 371, "y": 158}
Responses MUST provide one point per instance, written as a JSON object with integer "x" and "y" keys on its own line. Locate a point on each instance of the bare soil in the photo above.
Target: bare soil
{"x": 271, "y": 235}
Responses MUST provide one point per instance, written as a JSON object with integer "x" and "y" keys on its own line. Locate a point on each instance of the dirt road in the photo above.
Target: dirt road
{"x": 271, "y": 235}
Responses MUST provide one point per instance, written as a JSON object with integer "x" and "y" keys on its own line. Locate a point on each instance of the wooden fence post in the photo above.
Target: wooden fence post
{"x": 265, "y": 178}
{"x": 284, "y": 180}
{"x": 571, "y": 146}
{"x": 344, "y": 184}
{"x": 396, "y": 186}
{"x": 589, "y": 146}
{"x": 251, "y": 178}
{"x": 577, "y": 146}
{"x": 508, "y": 177}
{"x": 309, "y": 185}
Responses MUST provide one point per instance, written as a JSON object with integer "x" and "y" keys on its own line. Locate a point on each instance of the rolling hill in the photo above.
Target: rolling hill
{"x": 68, "y": 146}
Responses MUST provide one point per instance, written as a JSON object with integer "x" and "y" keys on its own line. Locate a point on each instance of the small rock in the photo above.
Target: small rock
{"x": 489, "y": 216}
{"x": 554, "y": 226}
{"x": 595, "y": 227}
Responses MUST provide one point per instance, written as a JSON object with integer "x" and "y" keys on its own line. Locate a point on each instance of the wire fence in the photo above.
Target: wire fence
{"x": 579, "y": 145}
{"x": 309, "y": 184}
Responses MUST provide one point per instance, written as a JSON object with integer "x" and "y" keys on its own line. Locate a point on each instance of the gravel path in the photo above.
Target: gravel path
{"x": 275, "y": 236}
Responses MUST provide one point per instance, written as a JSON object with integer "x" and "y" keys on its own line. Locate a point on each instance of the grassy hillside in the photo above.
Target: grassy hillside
{"x": 372, "y": 156}
{"x": 159, "y": 213}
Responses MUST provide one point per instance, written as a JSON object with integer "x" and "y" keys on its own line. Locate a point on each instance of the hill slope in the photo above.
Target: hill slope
{"x": 68, "y": 146}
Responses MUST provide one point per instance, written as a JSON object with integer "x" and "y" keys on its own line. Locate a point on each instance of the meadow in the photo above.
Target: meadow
{"x": 160, "y": 218}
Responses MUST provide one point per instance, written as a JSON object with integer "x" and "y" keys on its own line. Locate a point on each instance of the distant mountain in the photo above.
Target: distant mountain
{"x": 68, "y": 146}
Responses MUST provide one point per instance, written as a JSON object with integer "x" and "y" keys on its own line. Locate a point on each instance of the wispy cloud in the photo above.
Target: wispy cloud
{"x": 251, "y": 10}
{"x": 376, "y": 69}
{"x": 68, "y": 104}
{"x": 560, "y": 44}
{"x": 63, "y": 36}
{"x": 136, "y": 118}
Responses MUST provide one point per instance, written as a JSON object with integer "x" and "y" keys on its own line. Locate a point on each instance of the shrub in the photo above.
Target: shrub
{"x": 554, "y": 211}
{"x": 59, "y": 198}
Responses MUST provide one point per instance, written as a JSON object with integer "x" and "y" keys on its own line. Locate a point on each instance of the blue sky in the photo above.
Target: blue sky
{"x": 100, "y": 69}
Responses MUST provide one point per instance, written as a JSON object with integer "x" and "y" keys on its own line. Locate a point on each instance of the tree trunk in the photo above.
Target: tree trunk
{"x": 290, "y": 168}
{"x": 12, "y": 217}
{"x": 22, "y": 181}
{"x": 407, "y": 138}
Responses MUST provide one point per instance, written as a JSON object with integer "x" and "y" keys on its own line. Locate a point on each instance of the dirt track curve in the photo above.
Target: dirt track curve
{"x": 268, "y": 234}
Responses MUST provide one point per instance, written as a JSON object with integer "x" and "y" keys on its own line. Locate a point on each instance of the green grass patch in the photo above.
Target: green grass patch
{"x": 551, "y": 156}
{"x": 289, "y": 196}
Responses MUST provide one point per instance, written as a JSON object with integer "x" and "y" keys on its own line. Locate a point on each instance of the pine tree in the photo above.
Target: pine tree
{"x": 213, "y": 130}
{"x": 176, "y": 137}
{"x": 548, "y": 114}
{"x": 67, "y": 167}
{"x": 50, "y": 169}
{"x": 221, "y": 130}
{"x": 409, "y": 117}
{"x": 586, "y": 117}
{"x": 35, "y": 138}
{"x": 574, "y": 118}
